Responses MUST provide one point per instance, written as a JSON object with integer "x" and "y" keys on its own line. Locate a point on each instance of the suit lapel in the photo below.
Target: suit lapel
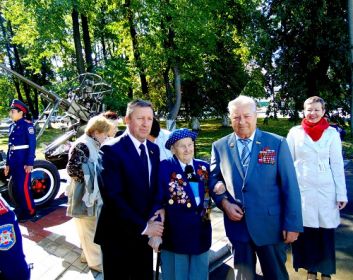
{"x": 309, "y": 142}
{"x": 130, "y": 147}
{"x": 233, "y": 150}
{"x": 153, "y": 155}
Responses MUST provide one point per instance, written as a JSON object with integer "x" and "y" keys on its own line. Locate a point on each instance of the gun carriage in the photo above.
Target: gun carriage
{"x": 84, "y": 99}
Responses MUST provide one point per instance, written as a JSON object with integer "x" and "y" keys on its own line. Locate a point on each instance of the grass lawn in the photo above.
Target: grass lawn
{"x": 211, "y": 130}
{"x": 47, "y": 137}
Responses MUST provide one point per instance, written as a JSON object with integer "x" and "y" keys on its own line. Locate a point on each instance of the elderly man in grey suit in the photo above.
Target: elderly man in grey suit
{"x": 254, "y": 182}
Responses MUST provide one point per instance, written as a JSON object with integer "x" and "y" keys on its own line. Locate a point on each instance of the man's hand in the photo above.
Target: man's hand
{"x": 6, "y": 170}
{"x": 341, "y": 204}
{"x": 290, "y": 236}
{"x": 28, "y": 168}
{"x": 154, "y": 228}
{"x": 232, "y": 210}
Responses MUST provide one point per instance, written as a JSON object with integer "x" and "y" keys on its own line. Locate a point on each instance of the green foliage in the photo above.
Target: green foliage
{"x": 303, "y": 49}
{"x": 286, "y": 50}
{"x": 6, "y": 86}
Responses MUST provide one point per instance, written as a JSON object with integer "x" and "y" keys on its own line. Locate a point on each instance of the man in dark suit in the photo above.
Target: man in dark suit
{"x": 254, "y": 183}
{"x": 128, "y": 180}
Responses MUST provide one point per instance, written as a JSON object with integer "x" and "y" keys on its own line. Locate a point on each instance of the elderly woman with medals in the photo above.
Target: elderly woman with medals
{"x": 183, "y": 194}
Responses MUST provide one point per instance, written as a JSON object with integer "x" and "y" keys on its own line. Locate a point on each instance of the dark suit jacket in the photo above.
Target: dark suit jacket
{"x": 127, "y": 198}
{"x": 269, "y": 191}
{"x": 184, "y": 230}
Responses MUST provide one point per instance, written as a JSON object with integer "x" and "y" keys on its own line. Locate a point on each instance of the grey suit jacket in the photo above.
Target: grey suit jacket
{"x": 269, "y": 191}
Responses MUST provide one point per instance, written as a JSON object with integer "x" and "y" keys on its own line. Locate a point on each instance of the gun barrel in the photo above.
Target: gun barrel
{"x": 48, "y": 94}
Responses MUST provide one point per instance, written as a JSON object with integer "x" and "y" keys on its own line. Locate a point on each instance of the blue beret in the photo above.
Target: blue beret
{"x": 179, "y": 134}
{"x": 19, "y": 105}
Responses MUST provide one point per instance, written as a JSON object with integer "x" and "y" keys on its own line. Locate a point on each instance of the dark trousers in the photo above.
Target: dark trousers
{"x": 25, "y": 206}
{"x": 272, "y": 260}
{"x": 122, "y": 262}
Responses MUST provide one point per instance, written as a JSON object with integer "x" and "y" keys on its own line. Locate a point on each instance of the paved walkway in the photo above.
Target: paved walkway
{"x": 52, "y": 245}
{"x": 344, "y": 245}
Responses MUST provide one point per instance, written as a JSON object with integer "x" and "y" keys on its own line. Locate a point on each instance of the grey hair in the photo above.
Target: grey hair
{"x": 137, "y": 103}
{"x": 241, "y": 100}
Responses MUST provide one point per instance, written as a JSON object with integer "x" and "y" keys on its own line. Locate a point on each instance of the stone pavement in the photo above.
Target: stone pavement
{"x": 52, "y": 245}
{"x": 344, "y": 245}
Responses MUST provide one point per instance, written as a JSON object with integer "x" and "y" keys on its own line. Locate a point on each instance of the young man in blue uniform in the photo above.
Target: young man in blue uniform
{"x": 13, "y": 265}
{"x": 20, "y": 159}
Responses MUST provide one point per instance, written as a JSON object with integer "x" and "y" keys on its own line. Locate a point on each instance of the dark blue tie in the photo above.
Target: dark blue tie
{"x": 245, "y": 153}
{"x": 144, "y": 160}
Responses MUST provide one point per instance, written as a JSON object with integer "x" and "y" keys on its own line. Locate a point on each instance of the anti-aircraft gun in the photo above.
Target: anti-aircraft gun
{"x": 84, "y": 100}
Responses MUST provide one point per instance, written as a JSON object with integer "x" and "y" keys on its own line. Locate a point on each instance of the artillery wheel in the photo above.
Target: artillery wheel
{"x": 45, "y": 183}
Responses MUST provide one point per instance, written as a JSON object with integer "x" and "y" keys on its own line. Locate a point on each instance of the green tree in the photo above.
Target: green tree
{"x": 302, "y": 47}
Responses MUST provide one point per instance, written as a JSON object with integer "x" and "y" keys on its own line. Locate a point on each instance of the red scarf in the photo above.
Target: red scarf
{"x": 315, "y": 130}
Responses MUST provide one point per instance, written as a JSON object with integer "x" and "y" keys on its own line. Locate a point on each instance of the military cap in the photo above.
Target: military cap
{"x": 179, "y": 134}
{"x": 19, "y": 105}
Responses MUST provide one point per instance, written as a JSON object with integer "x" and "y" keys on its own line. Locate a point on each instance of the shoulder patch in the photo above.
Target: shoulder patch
{"x": 7, "y": 237}
{"x": 31, "y": 130}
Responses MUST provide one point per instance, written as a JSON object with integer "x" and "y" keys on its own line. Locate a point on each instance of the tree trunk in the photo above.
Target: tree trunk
{"x": 104, "y": 49}
{"x": 350, "y": 20}
{"x": 195, "y": 124}
{"x": 8, "y": 51}
{"x": 225, "y": 120}
{"x": 11, "y": 58}
{"x": 173, "y": 113}
{"x": 20, "y": 69}
{"x": 169, "y": 45}
{"x": 135, "y": 49}
{"x": 87, "y": 43}
{"x": 77, "y": 40}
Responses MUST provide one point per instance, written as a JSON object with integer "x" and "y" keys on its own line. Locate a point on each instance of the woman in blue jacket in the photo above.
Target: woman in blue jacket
{"x": 184, "y": 195}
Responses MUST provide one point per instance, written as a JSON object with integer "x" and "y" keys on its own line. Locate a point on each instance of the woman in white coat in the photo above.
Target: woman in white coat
{"x": 317, "y": 153}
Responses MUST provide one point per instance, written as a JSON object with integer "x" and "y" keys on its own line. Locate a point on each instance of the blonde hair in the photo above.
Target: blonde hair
{"x": 98, "y": 123}
{"x": 315, "y": 99}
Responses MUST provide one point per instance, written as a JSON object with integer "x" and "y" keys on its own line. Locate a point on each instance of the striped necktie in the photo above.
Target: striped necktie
{"x": 245, "y": 153}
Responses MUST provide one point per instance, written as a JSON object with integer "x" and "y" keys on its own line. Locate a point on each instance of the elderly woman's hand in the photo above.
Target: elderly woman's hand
{"x": 155, "y": 242}
{"x": 161, "y": 213}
